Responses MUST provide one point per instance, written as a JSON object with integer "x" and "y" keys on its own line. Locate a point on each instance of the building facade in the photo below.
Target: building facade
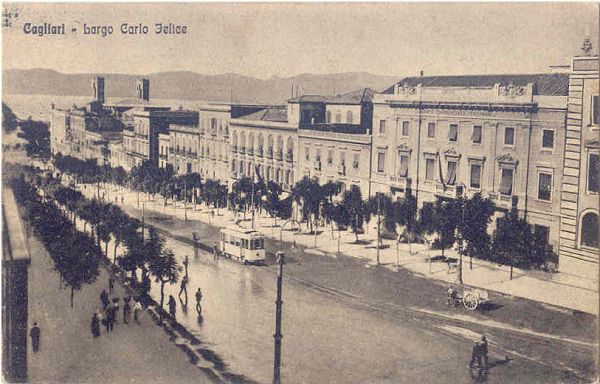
{"x": 578, "y": 251}
{"x": 502, "y": 136}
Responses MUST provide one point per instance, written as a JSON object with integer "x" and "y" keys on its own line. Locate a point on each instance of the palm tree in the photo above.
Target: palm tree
{"x": 165, "y": 269}
{"x": 352, "y": 204}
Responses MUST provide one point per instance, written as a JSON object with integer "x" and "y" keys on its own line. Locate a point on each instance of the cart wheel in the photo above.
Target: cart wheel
{"x": 470, "y": 301}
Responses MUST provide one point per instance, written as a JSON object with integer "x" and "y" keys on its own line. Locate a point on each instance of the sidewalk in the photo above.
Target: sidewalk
{"x": 132, "y": 353}
{"x": 557, "y": 289}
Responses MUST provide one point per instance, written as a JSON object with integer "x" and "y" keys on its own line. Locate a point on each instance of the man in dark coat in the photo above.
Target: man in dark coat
{"x": 35, "y": 337}
{"x": 476, "y": 355}
{"x": 126, "y": 312}
{"x": 104, "y": 299}
{"x": 172, "y": 306}
{"x": 95, "y": 325}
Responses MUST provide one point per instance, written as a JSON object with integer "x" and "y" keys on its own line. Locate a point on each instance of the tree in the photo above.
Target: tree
{"x": 352, "y": 204}
{"x": 477, "y": 216}
{"x": 9, "y": 119}
{"x": 446, "y": 216}
{"x": 165, "y": 269}
{"x": 37, "y": 135}
{"x": 272, "y": 201}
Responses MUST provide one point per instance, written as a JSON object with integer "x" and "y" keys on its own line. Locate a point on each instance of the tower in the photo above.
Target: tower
{"x": 143, "y": 89}
{"x": 98, "y": 89}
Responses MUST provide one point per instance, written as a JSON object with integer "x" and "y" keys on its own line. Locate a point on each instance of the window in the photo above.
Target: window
{"x": 453, "y": 132}
{"x": 318, "y": 156}
{"x": 381, "y": 162}
{"x": 381, "y": 127}
{"x": 356, "y": 161}
{"x": 475, "y": 176}
{"x": 328, "y": 118}
{"x": 405, "y": 128}
{"x": 509, "y": 136}
{"x": 349, "y": 117}
{"x": 506, "y": 182}
{"x": 307, "y": 153}
{"x": 451, "y": 173}
{"x": 548, "y": 139}
{"x": 431, "y": 130}
{"x": 589, "y": 230}
{"x": 343, "y": 158}
{"x": 545, "y": 186}
{"x": 477, "y": 133}
{"x": 338, "y": 117}
{"x": 593, "y": 173}
{"x": 429, "y": 169}
{"x": 403, "y": 170}
{"x": 595, "y": 110}
{"x": 329, "y": 157}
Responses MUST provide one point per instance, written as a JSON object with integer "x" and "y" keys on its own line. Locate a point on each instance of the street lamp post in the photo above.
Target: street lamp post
{"x": 277, "y": 336}
{"x": 459, "y": 279}
{"x": 378, "y": 226}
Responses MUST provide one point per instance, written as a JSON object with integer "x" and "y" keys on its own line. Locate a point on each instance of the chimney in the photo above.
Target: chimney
{"x": 98, "y": 89}
{"x": 143, "y": 89}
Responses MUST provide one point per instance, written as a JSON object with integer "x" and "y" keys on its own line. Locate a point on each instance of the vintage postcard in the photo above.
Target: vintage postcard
{"x": 300, "y": 192}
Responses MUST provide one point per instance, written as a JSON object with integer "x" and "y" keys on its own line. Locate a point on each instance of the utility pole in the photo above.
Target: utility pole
{"x": 277, "y": 336}
{"x": 459, "y": 279}
{"x": 252, "y": 200}
{"x": 185, "y": 199}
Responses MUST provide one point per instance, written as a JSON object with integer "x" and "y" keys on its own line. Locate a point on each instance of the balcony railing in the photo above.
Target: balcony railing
{"x": 317, "y": 165}
{"x": 250, "y": 151}
{"x": 289, "y": 157}
{"x": 279, "y": 156}
{"x": 341, "y": 169}
{"x": 242, "y": 150}
{"x": 269, "y": 153}
{"x": 259, "y": 152}
{"x": 234, "y": 149}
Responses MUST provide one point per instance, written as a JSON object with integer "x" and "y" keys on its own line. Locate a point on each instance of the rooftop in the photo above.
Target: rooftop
{"x": 278, "y": 114}
{"x": 547, "y": 84}
{"x": 356, "y": 97}
{"x": 307, "y": 99}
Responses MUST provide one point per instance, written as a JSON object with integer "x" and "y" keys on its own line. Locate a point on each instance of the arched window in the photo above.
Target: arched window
{"x": 349, "y": 117}
{"x": 233, "y": 166}
{"x": 270, "y": 146}
{"x": 241, "y": 167}
{"x": 250, "y": 148}
{"x": 234, "y": 141}
{"x": 290, "y": 149}
{"x": 259, "y": 144}
{"x": 242, "y": 146}
{"x": 589, "y": 230}
{"x": 279, "y": 146}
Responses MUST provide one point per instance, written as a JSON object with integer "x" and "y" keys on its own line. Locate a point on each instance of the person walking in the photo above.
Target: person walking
{"x": 126, "y": 312}
{"x": 104, "y": 299}
{"x": 111, "y": 284}
{"x": 198, "y": 299}
{"x": 137, "y": 308}
{"x": 115, "y": 303}
{"x": 475, "y": 354}
{"x": 215, "y": 253}
{"x": 95, "y": 325}
{"x": 108, "y": 318}
{"x": 484, "y": 351}
{"x": 172, "y": 306}
{"x": 35, "y": 334}
{"x": 183, "y": 288}
{"x": 186, "y": 262}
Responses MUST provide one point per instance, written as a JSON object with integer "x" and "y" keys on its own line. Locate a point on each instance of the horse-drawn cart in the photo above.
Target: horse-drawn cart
{"x": 471, "y": 298}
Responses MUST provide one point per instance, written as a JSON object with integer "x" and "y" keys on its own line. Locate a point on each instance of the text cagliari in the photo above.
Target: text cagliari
{"x": 44, "y": 29}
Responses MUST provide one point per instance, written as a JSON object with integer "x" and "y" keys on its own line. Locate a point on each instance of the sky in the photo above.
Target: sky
{"x": 282, "y": 39}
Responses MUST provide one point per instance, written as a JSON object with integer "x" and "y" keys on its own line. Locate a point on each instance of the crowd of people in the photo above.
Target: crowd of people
{"x": 107, "y": 315}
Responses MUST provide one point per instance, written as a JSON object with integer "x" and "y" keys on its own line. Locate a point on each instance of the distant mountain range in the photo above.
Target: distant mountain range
{"x": 191, "y": 85}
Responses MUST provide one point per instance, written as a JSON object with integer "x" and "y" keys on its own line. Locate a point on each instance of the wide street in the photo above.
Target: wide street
{"x": 332, "y": 334}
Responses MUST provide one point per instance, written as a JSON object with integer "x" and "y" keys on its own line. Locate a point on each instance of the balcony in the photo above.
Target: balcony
{"x": 269, "y": 154}
{"x": 399, "y": 182}
{"x": 503, "y": 201}
{"x": 234, "y": 148}
{"x": 279, "y": 156}
{"x": 446, "y": 190}
{"x": 250, "y": 151}
{"x": 317, "y": 165}
{"x": 289, "y": 158}
{"x": 242, "y": 150}
{"x": 341, "y": 169}
{"x": 259, "y": 152}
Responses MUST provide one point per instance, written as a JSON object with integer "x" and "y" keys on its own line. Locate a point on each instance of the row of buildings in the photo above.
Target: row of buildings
{"x": 526, "y": 141}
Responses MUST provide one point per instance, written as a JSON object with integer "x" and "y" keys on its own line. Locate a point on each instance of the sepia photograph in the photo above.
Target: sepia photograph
{"x": 310, "y": 192}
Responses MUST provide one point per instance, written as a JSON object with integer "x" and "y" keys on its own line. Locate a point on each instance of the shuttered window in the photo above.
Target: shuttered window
{"x": 506, "y": 182}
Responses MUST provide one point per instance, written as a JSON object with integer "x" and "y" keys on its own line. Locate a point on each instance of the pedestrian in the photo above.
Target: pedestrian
{"x": 198, "y": 299}
{"x": 212, "y": 213}
{"x": 186, "y": 262}
{"x": 484, "y": 351}
{"x": 115, "y": 309}
{"x": 95, "y": 325}
{"x": 172, "y": 306}
{"x": 183, "y": 287}
{"x": 126, "y": 312}
{"x": 476, "y": 354}
{"x": 451, "y": 296}
{"x": 104, "y": 299}
{"x": 215, "y": 252}
{"x": 34, "y": 333}
{"x": 109, "y": 318}
{"x": 137, "y": 308}
{"x": 111, "y": 284}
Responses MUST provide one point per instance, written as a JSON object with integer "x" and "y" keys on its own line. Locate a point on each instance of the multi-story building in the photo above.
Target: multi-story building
{"x": 578, "y": 252}
{"x": 164, "y": 147}
{"x": 183, "y": 148}
{"x": 141, "y": 142}
{"x": 501, "y": 135}
{"x": 264, "y": 143}
{"x": 334, "y": 137}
